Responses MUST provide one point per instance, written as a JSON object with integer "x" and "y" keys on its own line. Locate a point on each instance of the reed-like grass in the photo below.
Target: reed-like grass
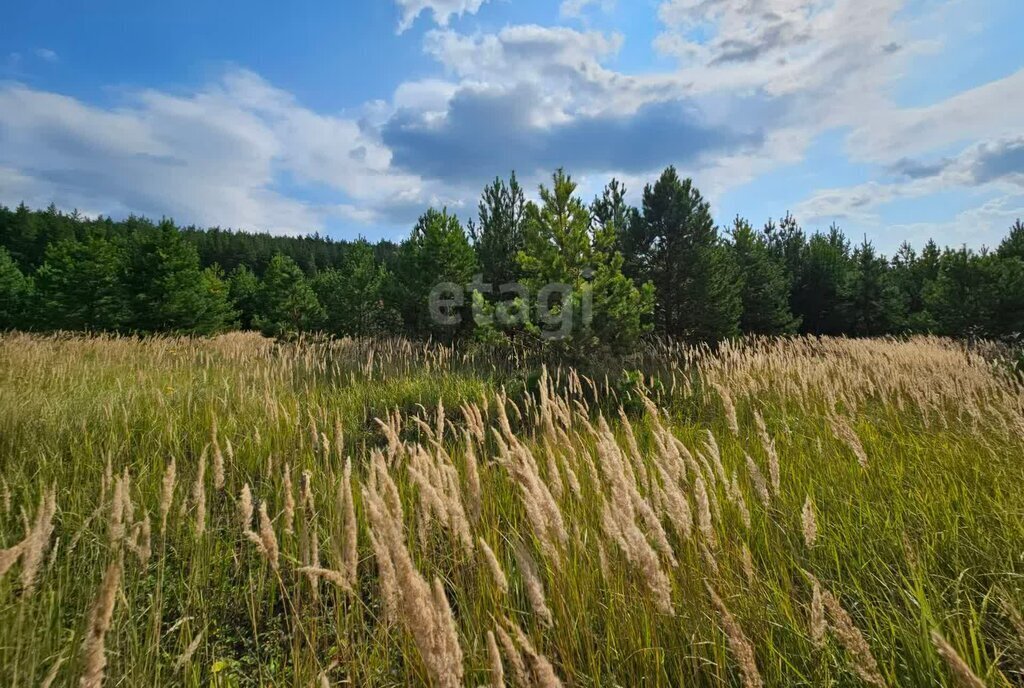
{"x": 235, "y": 512}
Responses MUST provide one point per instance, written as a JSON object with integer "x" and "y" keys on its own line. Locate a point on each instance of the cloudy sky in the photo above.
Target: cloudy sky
{"x": 896, "y": 119}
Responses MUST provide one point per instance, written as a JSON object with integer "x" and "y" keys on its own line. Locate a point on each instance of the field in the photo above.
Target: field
{"x": 239, "y": 512}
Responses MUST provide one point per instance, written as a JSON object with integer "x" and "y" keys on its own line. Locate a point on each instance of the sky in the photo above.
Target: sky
{"x": 894, "y": 119}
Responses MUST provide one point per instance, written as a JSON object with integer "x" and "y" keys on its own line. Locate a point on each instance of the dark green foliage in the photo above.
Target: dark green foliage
{"x": 27, "y": 234}
{"x": 611, "y": 209}
{"x": 911, "y": 275}
{"x": 231, "y": 249}
{"x": 1007, "y": 318}
{"x": 787, "y": 242}
{"x": 680, "y": 252}
{"x": 977, "y": 295}
{"x": 1013, "y": 245}
{"x": 244, "y": 290}
{"x": 823, "y": 271}
{"x": 169, "y": 292}
{"x": 498, "y": 237}
{"x": 436, "y": 252}
{"x": 563, "y": 247}
{"x": 218, "y": 313}
{"x": 353, "y": 296}
{"x": 288, "y": 305}
{"x": 764, "y": 284}
{"x": 961, "y": 297}
{"x": 81, "y": 286}
{"x": 872, "y": 302}
{"x": 15, "y": 293}
{"x": 61, "y": 271}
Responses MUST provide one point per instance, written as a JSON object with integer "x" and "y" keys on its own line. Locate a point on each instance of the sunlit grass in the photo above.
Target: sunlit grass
{"x": 927, "y": 536}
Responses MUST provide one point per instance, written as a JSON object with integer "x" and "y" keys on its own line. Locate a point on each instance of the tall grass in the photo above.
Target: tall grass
{"x": 235, "y": 512}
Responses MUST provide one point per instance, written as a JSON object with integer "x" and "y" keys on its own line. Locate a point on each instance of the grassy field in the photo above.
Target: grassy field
{"x": 235, "y": 512}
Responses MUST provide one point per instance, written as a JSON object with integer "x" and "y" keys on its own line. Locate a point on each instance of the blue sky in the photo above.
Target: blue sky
{"x": 896, "y": 119}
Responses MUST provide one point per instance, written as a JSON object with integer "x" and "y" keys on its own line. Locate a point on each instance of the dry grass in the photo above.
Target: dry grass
{"x": 235, "y": 512}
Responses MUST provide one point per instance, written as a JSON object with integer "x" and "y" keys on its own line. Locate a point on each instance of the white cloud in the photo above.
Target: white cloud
{"x": 562, "y": 66}
{"x": 442, "y": 10}
{"x": 824, "y": 65}
{"x": 984, "y": 225}
{"x": 754, "y": 84}
{"x": 788, "y": 69}
{"x": 214, "y": 157}
{"x": 532, "y": 98}
{"x": 781, "y": 46}
{"x": 46, "y": 55}
{"x": 996, "y": 166}
{"x": 986, "y": 111}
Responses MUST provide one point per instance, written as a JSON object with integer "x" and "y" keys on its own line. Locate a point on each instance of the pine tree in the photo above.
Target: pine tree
{"x": 288, "y": 305}
{"x": 611, "y": 209}
{"x": 437, "y": 252}
{"x": 962, "y": 299}
{"x": 1007, "y": 319}
{"x": 217, "y": 312}
{"x": 872, "y": 304}
{"x": 169, "y": 291}
{"x": 563, "y": 247}
{"x": 20, "y": 236}
{"x": 821, "y": 276}
{"x": 81, "y": 286}
{"x": 244, "y": 290}
{"x": 787, "y": 243}
{"x": 15, "y": 293}
{"x": 353, "y": 295}
{"x": 911, "y": 275}
{"x": 498, "y": 237}
{"x": 697, "y": 292}
{"x": 1012, "y": 245}
{"x": 764, "y": 285}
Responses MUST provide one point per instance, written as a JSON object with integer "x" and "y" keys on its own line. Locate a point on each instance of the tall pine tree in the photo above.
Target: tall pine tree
{"x": 436, "y": 252}
{"x": 610, "y": 209}
{"x": 872, "y": 304}
{"x": 764, "y": 285}
{"x": 15, "y": 293}
{"x": 81, "y": 286}
{"x": 353, "y": 294}
{"x": 498, "y": 237}
{"x": 821, "y": 276}
{"x": 697, "y": 291}
{"x": 564, "y": 246}
{"x": 244, "y": 290}
{"x": 169, "y": 291}
{"x": 288, "y": 305}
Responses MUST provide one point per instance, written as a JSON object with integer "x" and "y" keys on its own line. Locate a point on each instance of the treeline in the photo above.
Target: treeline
{"x": 663, "y": 267}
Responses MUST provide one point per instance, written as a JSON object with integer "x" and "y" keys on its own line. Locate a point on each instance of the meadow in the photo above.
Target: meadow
{"x": 236, "y": 511}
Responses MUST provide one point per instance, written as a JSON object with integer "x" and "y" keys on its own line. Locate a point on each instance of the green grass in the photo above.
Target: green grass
{"x": 930, "y": 536}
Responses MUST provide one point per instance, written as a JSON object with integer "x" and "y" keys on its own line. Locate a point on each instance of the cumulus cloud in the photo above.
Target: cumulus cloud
{"x": 757, "y": 81}
{"x": 1000, "y": 160}
{"x": 982, "y": 112}
{"x": 213, "y": 157}
{"x": 557, "y": 56}
{"x": 997, "y": 165}
{"x": 485, "y": 131}
{"x": 832, "y": 65}
{"x": 811, "y": 47}
{"x": 533, "y": 98}
{"x": 442, "y": 10}
{"x": 754, "y": 84}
